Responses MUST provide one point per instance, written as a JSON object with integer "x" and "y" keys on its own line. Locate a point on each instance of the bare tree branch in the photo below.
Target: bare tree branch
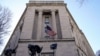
{"x": 80, "y": 2}
{"x": 5, "y": 17}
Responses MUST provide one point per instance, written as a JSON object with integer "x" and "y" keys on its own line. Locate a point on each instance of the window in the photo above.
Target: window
{"x": 21, "y": 25}
{"x": 71, "y": 24}
{"x": 47, "y": 37}
{"x": 46, "y": 22}
{"x": 47, "y": 54}
{"x": 47, "y": 25}
{"x": 72, "y": 27}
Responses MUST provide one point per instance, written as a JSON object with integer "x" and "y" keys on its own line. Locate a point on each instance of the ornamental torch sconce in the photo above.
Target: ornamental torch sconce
{"x": 34, "y": 49}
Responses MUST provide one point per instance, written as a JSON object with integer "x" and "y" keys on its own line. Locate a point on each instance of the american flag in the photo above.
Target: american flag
{"x": 49, "y": 31}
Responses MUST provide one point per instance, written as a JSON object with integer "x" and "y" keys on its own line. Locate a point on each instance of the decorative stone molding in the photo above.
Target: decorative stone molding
{"x": 46, "y": 4}
{"x": 46, "y": 1}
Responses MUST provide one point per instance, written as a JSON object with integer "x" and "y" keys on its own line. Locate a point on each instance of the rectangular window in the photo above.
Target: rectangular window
{"x": 47, "y": 54}
{"x": 47, "y": 25}
{"x": 46, "y": 22}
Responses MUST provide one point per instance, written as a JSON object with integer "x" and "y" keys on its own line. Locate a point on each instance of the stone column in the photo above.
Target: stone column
{"x": 54, "y": 23}
{"x": 39, "y": 28}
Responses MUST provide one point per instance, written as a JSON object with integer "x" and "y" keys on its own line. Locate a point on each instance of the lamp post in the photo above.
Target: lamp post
{"x": 54, "y": 47}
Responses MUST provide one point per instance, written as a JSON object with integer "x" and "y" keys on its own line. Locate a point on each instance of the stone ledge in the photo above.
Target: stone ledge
{"x": 57, "y": 40}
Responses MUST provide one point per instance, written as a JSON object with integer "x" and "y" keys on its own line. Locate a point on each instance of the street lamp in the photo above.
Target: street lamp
{"x": 53, "y": 47}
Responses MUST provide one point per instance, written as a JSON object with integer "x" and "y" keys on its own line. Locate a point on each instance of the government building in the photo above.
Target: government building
{"x": 47, "y": 28}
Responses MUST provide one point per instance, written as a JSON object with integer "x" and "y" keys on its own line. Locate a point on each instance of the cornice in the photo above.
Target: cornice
{"x": 46, "y": 4}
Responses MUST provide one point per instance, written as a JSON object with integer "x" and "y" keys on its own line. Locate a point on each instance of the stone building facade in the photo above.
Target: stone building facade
{"x": 30, "y": 29}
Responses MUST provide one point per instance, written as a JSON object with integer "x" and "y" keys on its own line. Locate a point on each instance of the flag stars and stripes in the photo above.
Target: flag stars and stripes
{"x": 49, "y": 31}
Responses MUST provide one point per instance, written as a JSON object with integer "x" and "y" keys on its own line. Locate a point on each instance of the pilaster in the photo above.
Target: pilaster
{"x": 39, "y": 30}
{"x": 54, "y": 22}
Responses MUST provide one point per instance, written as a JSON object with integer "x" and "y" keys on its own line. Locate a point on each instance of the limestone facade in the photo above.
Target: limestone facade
{"x": 30, "y": 30}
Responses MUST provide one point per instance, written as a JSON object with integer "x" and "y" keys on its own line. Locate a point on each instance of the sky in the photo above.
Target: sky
{"x": 87, "y": 17}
